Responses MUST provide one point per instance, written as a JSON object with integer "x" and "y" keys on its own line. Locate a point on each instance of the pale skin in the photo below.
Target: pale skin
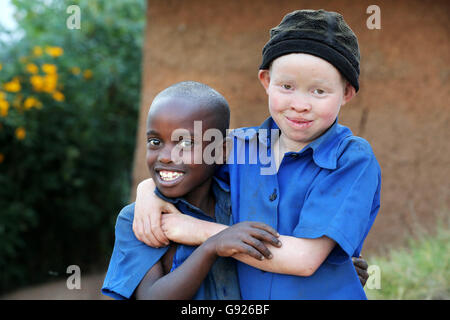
{"x": 305, "y": 95}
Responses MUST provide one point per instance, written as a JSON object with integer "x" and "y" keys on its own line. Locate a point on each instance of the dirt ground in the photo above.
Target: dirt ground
{"x": 57, "y": 290}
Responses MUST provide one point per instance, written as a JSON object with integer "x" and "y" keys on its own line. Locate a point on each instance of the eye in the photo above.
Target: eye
{"x": 153, "y": 142}
{"x": 319, "y": 91}
{"x": 186, "y": 143}
{"x": 286, "y": 86}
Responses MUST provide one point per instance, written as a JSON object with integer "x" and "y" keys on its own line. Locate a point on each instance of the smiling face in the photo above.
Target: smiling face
{"x": 170, "y": 158}
{"x": 305, "y": 95}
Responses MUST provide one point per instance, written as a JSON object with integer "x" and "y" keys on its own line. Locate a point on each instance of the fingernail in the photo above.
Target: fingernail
{"x": 270, "y": 256}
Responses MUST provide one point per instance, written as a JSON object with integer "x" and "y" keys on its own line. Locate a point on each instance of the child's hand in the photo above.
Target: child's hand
{"x": 147, "y": 215}
{"x": 246, "y": 237}
{"x": 361, "y": 267}
{"x": 182, "y": 228}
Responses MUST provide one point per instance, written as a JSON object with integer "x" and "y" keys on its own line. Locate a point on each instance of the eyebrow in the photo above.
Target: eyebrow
{"x": 322, "y": 81}
{"x": 152, "y": 133}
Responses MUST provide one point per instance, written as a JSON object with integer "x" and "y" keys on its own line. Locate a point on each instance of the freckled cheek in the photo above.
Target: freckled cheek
{"x": 327, "y": 114}
{"x": 276, "y": 104}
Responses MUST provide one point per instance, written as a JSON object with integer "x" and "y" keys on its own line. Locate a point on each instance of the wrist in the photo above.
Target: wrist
{"x": 208, "y": 229}
{"x": 147, "y": 185}
{"x": 209, "y": 248}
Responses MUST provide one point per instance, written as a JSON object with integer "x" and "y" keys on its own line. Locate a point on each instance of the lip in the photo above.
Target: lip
{"x": 299, "y": 123}
{"x": 171, "y": 183}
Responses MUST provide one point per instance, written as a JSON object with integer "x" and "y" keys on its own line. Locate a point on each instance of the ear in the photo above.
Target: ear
{"x": 349, "y": 92}
{"x": 264, "y": 78}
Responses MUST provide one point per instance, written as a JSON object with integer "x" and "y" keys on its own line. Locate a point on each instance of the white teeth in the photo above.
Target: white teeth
{"x": 169, "y": 175}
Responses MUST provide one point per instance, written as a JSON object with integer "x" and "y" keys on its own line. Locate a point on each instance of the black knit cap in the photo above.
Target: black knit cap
{"x": 317, "y": 32}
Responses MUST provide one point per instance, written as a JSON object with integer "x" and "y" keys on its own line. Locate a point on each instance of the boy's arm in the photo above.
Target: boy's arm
{"x": 180, "y": 284}
{"x": 295, "y": 256}
{"x": 147, "y": 215}
{"x": 184, "y": 281}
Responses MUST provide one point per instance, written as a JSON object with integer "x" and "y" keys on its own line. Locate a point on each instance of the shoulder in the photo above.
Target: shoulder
{"x": 356, "y": 153}
{"x": 355, "y": 147}
{"x": 126, "y": 215}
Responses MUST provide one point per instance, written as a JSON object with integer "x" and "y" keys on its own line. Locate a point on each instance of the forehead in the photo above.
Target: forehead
{"x": 178, "y": 112}
{"x": 305, "y": 66}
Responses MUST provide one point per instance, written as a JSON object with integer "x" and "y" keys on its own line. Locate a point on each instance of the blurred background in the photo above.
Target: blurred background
{"x": 73, "y": 103}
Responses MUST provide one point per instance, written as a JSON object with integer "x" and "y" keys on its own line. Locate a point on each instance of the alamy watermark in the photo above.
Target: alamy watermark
{"x": 374, "y": 20}
{"x": 374, "y": 280}
{"x": 74, "y": 20}
{"x": 74, "y": 280}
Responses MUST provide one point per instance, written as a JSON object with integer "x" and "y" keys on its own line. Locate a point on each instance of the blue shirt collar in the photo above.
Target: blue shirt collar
{"x": 324, "y": 148}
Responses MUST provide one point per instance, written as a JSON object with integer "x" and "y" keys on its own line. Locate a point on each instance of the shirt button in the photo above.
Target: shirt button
{"x": 273, "y": 196}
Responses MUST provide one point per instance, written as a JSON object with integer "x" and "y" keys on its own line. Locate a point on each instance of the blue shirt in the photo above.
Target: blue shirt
{"x": 131, "y": 259}
{"x": 329, "y": 188}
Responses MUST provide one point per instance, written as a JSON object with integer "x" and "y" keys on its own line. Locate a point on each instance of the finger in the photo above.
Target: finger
{"x": 265, "y": 236}
{"x": 362, "y": 273}
{"x": 153, "y": 230}
{"x": 264, "y": 227}
{"x": 360, "y": 263}
{"x": 362, "y": 280}
{"x": 148, "y": 237}
{"x": 138, "y": 230}
{"x": 249, "y": 250}
{"x": 170, "y": 208}
{"x": 258, "y": 245}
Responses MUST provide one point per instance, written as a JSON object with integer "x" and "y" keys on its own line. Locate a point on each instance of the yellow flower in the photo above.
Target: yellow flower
{"x": 37, "y": 82}
{"x": 20, "y": 133}
{"x": 2, "y": 95}
{"x": 37, "y": 51}
{"x": 87, "y": 74}
{"x": 58, "y": 96}
{"x": 50, "y": 82}
{"x": 13, "y": 85}
{"x": 31, "y": 102}
{"x": 1, "y": 66}
{"x": 49, "y": 68}
{"x": 4, "y": 106}
{"x": 75, "y": 70}
{"x": 54, "y": 51}
{"x": 32, "y": 68}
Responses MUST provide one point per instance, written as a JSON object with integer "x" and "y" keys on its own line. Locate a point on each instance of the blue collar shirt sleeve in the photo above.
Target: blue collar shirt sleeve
{"x": 131, "y": 259}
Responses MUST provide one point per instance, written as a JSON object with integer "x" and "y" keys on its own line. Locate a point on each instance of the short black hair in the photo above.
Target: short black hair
{"x": 205, "y": 96}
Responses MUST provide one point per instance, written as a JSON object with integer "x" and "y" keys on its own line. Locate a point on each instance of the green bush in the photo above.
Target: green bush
{"x": 69, "y": 103}
{"x": 420, "y": 271}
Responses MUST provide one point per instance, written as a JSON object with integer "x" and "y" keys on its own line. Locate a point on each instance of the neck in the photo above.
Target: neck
{"x": 287, "y": 145}
{"x": 202, "y": 197}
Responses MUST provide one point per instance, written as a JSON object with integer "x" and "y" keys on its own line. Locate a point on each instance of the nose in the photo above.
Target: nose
{"x": 165, "y": 155}
{"x": 300, "y": 103}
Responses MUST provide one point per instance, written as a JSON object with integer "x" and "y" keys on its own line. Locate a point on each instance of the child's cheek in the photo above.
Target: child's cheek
{"x": 276, "y": 103}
